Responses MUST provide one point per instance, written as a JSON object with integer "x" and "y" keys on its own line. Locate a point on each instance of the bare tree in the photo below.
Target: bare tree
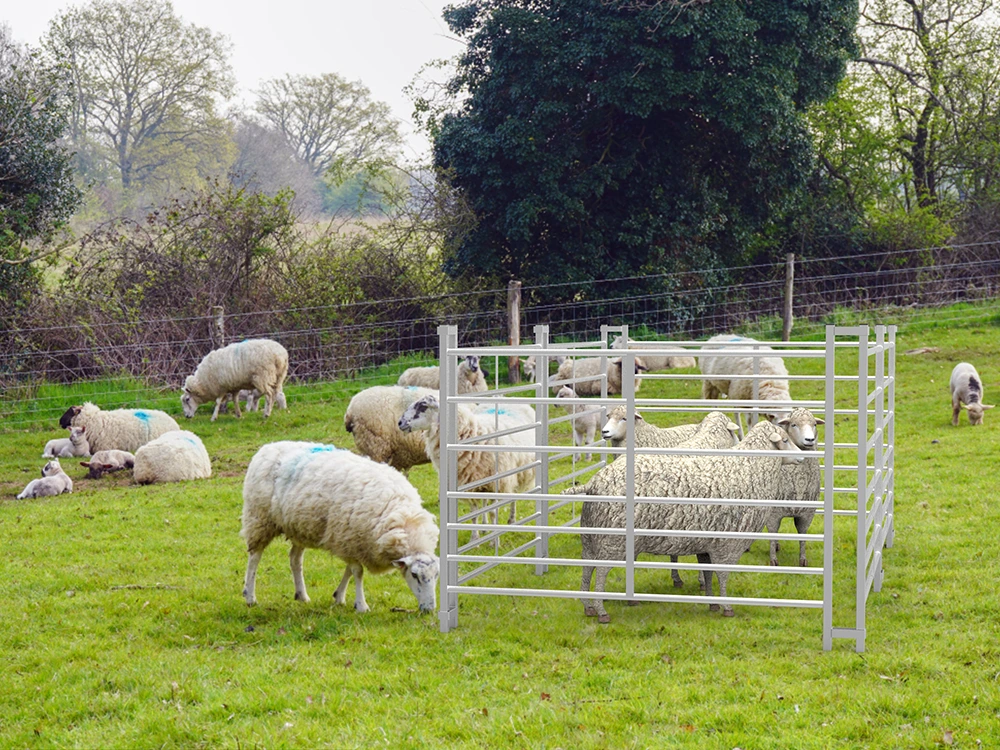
{"x": 332, "y": 123}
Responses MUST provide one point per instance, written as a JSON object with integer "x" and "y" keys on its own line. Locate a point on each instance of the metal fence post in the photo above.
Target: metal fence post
{"x": 542, "y": 439}
{"x": 861, "y": 587}
{"x": 448, "y": 478}
{"x": 828, "y": 494}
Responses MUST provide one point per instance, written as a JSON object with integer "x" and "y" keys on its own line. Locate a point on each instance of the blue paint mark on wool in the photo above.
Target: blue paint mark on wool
{"x": 494, "y": 410}
{"x": 325, "y": 449}
{"x": 142, "y": 416}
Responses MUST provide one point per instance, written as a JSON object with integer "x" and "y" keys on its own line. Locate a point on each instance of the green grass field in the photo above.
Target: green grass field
{"x": 123, "y": 625}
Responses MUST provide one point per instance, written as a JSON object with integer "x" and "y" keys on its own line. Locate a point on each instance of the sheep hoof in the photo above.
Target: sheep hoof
{"x": 728, "y": 613}
{"x": 303, "y": 597}
{"x": 361, "y": 607}
{"x": 631, "y": 604}
{"x": 773, "y": 562}
{"x": 604, "y": 619}
{"x": 803, "y": 563}
{"x": 713, "y": 607}
{"x": 678, "y": 584}
{"x": 590, "y": 611}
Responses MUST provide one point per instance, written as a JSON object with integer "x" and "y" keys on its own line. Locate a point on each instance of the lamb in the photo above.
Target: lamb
{"x": 372, "y": 418}
{"x": 321, "y": 497}
{"x": 252, "y": 399}
{"x": 745, "y": 477}
{"x": 770, "y": 385}
{"x": 473, "y": 465}
{"x": 118, "y": 429}
{"x": 799, "y": 482}
{"x": 591, "y": 367}
{"x": 173, "y": 457}
{"x": 528, "y": 366}
{"x": 967, "y": 393}
{"x": 584, "y": 423}
{"x": 54, "y": 481}
{"x": 471, "y": 377}
{"x": 656, "y": 362}
{"x": 253, "y": 363}
{"x": 105, "y": 462}
{"x": 74, "y": 446}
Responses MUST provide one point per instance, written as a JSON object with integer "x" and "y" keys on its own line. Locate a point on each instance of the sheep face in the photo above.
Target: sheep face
{"x": 791, "y": 453}
{"x": 51, "y": 468}
{"x": 420, "y": 571}
{"x": 801, "y": 428}
{"x": 614, "y": 428}
{"x": 472, "y": 362}
{"x": 975, "y": 410}
{"x": 189, "y": 403}
{"x": 67, "y": 418}
{"x": 420, "y": 415}
{"x": 528, "y": 367}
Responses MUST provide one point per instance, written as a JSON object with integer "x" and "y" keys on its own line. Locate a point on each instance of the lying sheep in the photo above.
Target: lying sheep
{"x": 74, "y": 446}
{"x": 584, "y": 423}
{"x": 471, "y": 377}
{"x": 743, "y": 477}
{"x": 254, "y": 363}
{"x": 172, "y": 457}
{"x": 105, "y": 462}
{"x": 372, "y": 418}
{"x": 54, "y": 481}
{"x": 320, "y": 497}
{"x": 800, "y": 482}
{"x": 967, "y": 393}
{"x": 770, "y": 385}
{"x": 656, "y": 362}
{"x": 118, "y": 429}
{"x": 473, "y": 465}
{"x": 591, "y": 368}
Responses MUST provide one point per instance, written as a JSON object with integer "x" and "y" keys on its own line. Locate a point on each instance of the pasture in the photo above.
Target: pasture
{"x": 123, "y": 625}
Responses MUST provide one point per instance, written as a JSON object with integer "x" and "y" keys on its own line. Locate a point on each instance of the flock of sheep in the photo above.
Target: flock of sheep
{"x": 363, "y": 509}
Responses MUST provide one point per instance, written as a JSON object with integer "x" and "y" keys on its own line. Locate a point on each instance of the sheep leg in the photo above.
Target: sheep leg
{"x": 802, "y": 526}
{"x": 956, "y": 410}
{"x": 591, "y": 431}
{"x": 774, "y": 544}
{"x": 675, "y": 574}
{"x": 340, "y": 595}
{"x": 600, "y": 583}
{"x": 723, "y": 576}
{"x": 250, "y": 582}
{"x": 358, "y": 570}
{"x": 218, "y": 405}
{"x": 236, "y": 406}
{"x": 295, "y": 561}
{"x": 706, "y": 575}
{"x": 589, "y": 607}
{"x": 268, "y": 403}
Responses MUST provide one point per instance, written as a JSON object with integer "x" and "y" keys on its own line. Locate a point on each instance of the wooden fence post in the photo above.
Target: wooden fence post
{"x": 786, "y": 330}
{"x": 217, "y": 326}
{"x": 514, "y": 328}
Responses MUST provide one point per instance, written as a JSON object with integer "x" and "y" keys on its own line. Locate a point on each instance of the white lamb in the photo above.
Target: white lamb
{"x": 656, "y": 362}
{"x": 54, "y": 481}
{"x": 967, "y": 393}
{"x": 372, "y": 418}
{"x": 321, "y": 497}
{"x": 590, "y": 368}
{"x": 254, "y": 363}
{"x": 252, "y": 399}
{"x": 473, "y": 465}
{"x": 105, "y": 462}
{"x": 118, "y": 429}
{"x": 771, "y": 385}
{"x": 172, "y": 457}
{"x": 471, "y": 377}
{"x": 584, "y": 423}
{"x": 74, "y": 446}
{"x": 529, "y": 364}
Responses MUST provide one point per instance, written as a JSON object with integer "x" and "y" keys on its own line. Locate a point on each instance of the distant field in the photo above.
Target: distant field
{"x": 123, "y": 625}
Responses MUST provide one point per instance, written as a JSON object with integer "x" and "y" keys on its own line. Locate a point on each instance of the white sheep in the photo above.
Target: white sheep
{"x": 529, "y": 364}
{"x": 173, "y": 457}
{"x": 590, "y": 368}
{"x": 372, "y": 417}
{"x": 471, "y": 377}
{"x": 800, "y": 482}
{"x": 646, "y": 435}
{"x": 321, "y": 497}
{"x": 584, "y": 423}
{"x": 771, "y": 370}
{"x": 118, "y": 429}
{"x": 74, "y": 446}
{"x": 54, "y": 481}
{"x": 473, "y": 465}
{"x": 737, "y": 477}
{"x": 105, "y": 462}
{"x": 967, "y": 393}
{"x": 252, "y": 399}
{"x": 253, "y": 363}
{"x": 656, "y": 362}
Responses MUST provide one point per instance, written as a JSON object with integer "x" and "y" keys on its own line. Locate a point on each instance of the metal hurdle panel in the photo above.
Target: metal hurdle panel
{"x": 860, "y": 488}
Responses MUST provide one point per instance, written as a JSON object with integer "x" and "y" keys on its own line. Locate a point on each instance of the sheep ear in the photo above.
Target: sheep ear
{"x": 820, "y": 421}
{"x": 402, "y": 563}
{"x": 733, "y": 427}
{"x": 965, "y": 406}
{"x": 85, "y": 464}
{"x": 774, "y": 437}
{"x": 988, "y": 406}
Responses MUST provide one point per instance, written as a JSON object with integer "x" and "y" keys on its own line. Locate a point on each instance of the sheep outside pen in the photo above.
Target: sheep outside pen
{"x": 853, "y": 505}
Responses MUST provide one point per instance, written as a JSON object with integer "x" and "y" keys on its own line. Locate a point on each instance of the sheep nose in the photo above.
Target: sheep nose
{"x": 605, "y": 434}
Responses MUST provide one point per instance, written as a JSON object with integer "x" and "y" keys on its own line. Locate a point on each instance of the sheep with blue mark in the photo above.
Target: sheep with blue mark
{"x": 173, "y": 457}
{"x": 118, "y": 429}
{"x": 322, "y": 497}
{"x": 372, "y": 418}
{"x": 252, "y": 363}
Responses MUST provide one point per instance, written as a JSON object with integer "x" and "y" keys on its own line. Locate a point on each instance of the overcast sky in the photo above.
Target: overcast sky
{"x": 382, "y": 43}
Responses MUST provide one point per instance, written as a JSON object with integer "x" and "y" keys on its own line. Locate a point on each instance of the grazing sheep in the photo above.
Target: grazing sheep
{"x": 770, "y": 385}
{"x": 471, "y": 377}
{"x": 321, "y": 497}
{"x": 584, "y": 423}
{"x": 656, "y": 362}
{"x": 967, "y": 393}
{"x": 54, "y": 481}
{"x": 254, "y": 363}
{"x": 800, "y": 482}
{"x": 118, "y": 429}
{"x": 74, "y": 446}
{"x": 372, "y": 418}
{"x": 738, "y": 477}
{"x": 105, "y": 462}
{"x": 591, "y": 367}
{"x": 473, "y": 465}
{"x": 172, "y": 457}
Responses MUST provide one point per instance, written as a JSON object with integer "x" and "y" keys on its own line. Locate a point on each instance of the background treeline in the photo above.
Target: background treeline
{"x": 683, "y": 148}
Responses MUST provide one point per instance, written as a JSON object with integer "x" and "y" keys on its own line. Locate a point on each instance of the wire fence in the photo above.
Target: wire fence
{"x": 369, "y": 342}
